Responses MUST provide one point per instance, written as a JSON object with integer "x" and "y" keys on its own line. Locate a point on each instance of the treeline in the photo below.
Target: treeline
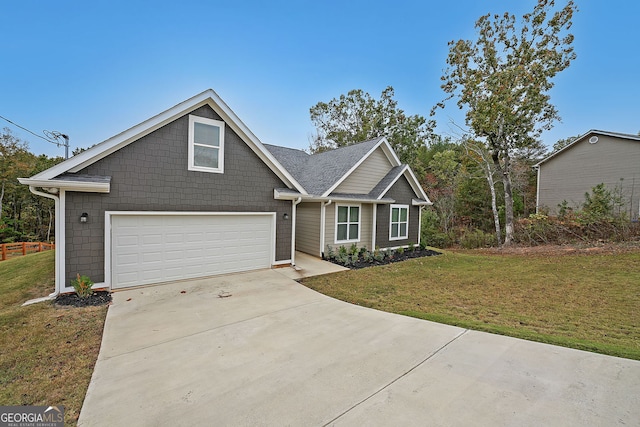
{"x": 24, "y": 217}
{"x": 459, "y": 181}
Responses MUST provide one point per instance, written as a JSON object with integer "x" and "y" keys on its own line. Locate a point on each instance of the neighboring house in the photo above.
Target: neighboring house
{"x": 594, "y": 158}
{"x": 192, "y": 192}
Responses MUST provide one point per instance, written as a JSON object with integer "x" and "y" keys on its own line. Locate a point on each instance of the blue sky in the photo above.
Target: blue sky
{"x": 94, "y": 69}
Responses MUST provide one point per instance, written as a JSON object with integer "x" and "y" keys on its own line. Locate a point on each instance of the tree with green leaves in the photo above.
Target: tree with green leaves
{"x": 561, "y": 143}
{"x": 357, "y": 117}
{"x": 503, "y": 80}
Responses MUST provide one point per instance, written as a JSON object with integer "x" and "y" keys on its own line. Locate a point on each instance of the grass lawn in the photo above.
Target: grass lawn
{"x": 47, "y": 353}
{"x": 585, "y": 301}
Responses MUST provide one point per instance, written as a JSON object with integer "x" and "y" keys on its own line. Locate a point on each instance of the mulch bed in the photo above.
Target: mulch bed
{"x": 396, "y": 256}
{"x": 73, "y": 300}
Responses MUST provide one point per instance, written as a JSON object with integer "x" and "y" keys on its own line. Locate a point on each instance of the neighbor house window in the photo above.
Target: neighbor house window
{"x": 206, "y": 145}
{"x": 399, "y": 226}
{"x": 347, "y": 223}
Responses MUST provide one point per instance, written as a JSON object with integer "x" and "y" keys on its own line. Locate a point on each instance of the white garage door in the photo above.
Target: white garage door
{"x": 149, "y": 249}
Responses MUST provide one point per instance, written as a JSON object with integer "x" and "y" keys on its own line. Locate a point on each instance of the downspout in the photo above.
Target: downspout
{"x": 294, "y": 203}
{"x": 322, "y": 224}
{"x": 56, "y": 199}
{"x": 375, "y": 226}
{"x": 419, "y": 223}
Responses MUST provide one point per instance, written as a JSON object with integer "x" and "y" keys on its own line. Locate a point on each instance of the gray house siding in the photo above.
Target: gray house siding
{"x": 308, "y": 228}
{"x": 366, "y": 229}
{"x": 151, "y": 174}
{"x": 402, "y": 193}
{"x": 367, "y": 175}
{"x": 568, "y": 176}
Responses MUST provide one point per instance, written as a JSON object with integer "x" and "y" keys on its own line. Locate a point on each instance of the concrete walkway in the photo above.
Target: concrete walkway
{"x": 259, "y": 349}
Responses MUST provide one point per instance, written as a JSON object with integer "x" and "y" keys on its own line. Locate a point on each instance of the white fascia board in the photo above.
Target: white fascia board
{"x": 208, "y": 97}
{"x": 582, "y": 137}
{"x": 87, "y": 187}
{"x": 388, "y": 151}
{"x": 311, "y": 198}
{"x": 413, "y": 182}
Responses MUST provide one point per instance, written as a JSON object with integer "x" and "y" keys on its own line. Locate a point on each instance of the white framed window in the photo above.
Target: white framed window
{"x": 347, "y": 223}
{"x": 206, "y": 145}
{"x": 399, "y": 222}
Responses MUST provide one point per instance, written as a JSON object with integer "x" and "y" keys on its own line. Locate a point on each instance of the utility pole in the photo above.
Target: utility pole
{"x": 66, "y": 145}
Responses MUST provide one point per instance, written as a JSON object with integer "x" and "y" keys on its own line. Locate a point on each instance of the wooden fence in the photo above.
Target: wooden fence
{"x": 23, "y": 248}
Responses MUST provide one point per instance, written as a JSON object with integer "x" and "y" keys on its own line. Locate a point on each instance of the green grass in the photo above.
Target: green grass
{"x": 47, "y": 354}
{"x": 585, "y": 301}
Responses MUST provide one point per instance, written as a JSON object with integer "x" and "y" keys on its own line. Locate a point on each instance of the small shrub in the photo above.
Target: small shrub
{"x": 83, "y": 286}
{"x": 330, "y": 254}
{"x": 400, "y": 250}
{"x": 353, "y": 250}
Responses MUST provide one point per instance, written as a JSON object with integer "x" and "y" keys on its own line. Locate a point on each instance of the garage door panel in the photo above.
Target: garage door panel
{"x": 157, "y": 248}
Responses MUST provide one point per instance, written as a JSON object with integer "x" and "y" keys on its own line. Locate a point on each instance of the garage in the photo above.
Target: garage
{"x": 149, "y": 247}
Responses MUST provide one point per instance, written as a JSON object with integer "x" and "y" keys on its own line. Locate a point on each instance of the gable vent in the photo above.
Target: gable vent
{"x": 593, "y": 140}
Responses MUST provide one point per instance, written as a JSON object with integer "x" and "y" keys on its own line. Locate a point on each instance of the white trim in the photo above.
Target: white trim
{"x": 538, "y": 189}
{"x": 80, "y": 186}
{"x": 191, "y": 142}
{"x": 107, "y": 232}
{"x": 582, "y": 137}
{"x": 391, "y": 208}
{"x": 386, "y": 148}
{"x": 294, "y": 204}
{"x": 374, "y": 225}
{"x": 349, "y": 206}
{"x": 419, "y": 224}
{"x": 413, "y": 182}
{"x": 63, "y": 242}
{"x": 323, "y": 226}
{"x": 208, "y": 97}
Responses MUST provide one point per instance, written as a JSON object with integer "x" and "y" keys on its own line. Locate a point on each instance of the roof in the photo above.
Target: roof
{"x": 314, "y": 175}
{"x": 321, "y": 173}
{"x": 592, "y": 132}
{"x": 105, "y": 148}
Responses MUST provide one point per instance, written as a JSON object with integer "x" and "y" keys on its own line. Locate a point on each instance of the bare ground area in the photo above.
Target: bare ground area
{"x": 583, "y": 248}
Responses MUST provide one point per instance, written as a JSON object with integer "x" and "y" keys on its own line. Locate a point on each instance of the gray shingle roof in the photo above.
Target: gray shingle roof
{"x": 391, "y": 176}
{"x": 317, "y": 173}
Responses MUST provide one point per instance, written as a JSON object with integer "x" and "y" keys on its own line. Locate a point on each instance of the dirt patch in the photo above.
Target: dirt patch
{"x": 596, "y": 248}
{"x": 73, "y": 300}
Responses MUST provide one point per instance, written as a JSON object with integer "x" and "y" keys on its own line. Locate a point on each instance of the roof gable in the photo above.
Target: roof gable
{"x": 589, "y": 135}
{"x": 208, "y": 97}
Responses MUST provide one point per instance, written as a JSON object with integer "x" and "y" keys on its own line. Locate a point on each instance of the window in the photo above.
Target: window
{"x": 399, "y": 224}
{"x": 347, "y": 223}
{"x": 206, "y": 145}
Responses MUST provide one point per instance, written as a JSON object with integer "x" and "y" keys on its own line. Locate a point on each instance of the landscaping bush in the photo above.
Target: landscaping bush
{"x": 477, "y": 239}
{"x": 364, "y": 258}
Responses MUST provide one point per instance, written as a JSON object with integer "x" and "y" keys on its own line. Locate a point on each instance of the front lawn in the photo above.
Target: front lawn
{"x": 581, "y": 300}
{"x": 47, "y": 353}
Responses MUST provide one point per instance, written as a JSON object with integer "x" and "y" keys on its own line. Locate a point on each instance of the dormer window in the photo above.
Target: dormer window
{"x": 206, "y": 145}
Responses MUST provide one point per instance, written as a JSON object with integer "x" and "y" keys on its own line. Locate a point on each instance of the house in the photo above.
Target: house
{"x": 594, "y": 158}
{"x": 192, "y": 192}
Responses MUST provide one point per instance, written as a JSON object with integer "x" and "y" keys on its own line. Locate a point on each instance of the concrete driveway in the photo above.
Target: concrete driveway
{"x": 259, "y": 349}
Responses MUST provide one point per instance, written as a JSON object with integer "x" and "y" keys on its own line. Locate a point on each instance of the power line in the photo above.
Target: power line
{"x": 54, "y": 134}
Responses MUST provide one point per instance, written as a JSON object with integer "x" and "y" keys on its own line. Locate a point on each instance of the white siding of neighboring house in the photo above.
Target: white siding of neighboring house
{"x": 367, "y": 175}
{"x": 568, "y": 176}
{"x": 308, "y": 228}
